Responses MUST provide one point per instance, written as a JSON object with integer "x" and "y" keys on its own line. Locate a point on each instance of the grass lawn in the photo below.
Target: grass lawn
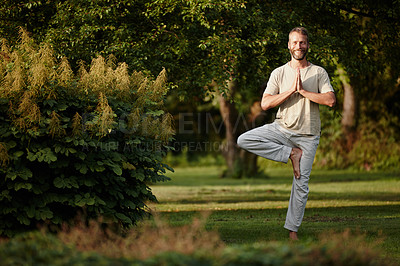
{"x": 252, "y": 210}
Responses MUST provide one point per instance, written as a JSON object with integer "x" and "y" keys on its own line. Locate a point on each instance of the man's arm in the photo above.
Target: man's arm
{"x": 269, "y": 101}
{"x": 327, "y": 98}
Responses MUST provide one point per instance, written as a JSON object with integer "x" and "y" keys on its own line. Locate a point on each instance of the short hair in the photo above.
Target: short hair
{"x": 300, "y": 30}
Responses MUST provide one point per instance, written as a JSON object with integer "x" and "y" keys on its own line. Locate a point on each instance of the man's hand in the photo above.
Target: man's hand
{"x": 295, "y": 86}
{"x": 299, "y": 84}
{"x": 327, "y": 98}
{"x": 270, "y": 101}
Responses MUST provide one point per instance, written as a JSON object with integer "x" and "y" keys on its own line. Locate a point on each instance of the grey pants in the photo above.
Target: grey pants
{"x": 273, "y": 142}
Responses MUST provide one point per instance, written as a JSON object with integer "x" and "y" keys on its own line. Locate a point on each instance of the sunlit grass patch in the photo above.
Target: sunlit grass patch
{"x": 252, "y": 210}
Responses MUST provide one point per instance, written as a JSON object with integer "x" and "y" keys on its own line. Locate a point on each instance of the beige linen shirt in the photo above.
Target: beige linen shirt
{"x": 298, "y": 113}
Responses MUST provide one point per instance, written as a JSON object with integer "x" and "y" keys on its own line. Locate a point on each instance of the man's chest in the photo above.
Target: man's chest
{"x": 309, "y": 81}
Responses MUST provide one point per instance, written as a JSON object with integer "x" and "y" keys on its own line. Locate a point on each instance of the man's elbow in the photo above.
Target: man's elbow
{"x": 265, "y": 106}
{"x": 266, "y": 103}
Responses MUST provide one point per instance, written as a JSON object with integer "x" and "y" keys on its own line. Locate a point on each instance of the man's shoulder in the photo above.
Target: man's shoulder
{"x": 318, "y": 69}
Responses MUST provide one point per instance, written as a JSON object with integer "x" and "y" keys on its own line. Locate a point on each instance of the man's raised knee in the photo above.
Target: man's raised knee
{"x": 241, "y": 140}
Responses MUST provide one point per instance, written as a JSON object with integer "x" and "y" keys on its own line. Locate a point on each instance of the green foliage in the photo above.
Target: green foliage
{"x": 89, "y": 143}
{"x": 33, "y": 15}
{"x": 374, "y": 145}
{"x": 341, "y": 249}
{"x": 366, "y": 154}
{"x": 36, "y": 248}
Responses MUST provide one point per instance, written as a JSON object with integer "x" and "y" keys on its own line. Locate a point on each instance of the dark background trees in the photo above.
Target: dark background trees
{"x": 227, "y": 49}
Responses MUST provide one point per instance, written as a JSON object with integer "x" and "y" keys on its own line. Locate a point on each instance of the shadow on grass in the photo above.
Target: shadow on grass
{"x": 326, "y": 214}
{"x": 242, "y": 196}
{"x": 203, "y": 176}
{"x": 231, "y": 196}
{"x": 324, "y": 176}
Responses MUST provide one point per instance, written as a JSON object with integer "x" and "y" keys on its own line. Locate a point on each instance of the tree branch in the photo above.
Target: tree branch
{"x": 368, "y": 15}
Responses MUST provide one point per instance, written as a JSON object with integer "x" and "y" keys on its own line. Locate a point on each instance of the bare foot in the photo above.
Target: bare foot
{"x": 295, "y": 156}
{"x": 293, "y": 235}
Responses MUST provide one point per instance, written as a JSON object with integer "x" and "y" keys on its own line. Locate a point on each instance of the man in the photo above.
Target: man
{"x": 298, "y": 87}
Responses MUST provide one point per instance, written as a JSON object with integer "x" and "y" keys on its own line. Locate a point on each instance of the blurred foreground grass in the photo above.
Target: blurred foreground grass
{"x": 253, "y": 210}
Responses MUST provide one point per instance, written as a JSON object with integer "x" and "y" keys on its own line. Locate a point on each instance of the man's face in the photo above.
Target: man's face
{"x": 298, "y": 45}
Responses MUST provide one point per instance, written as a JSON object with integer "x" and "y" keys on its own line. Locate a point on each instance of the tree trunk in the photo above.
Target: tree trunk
{"x": 348, "y": 122}
{"x": 255, "y": 118}
{"x": 239, "y": 162}
{"x": 230, "y": 117}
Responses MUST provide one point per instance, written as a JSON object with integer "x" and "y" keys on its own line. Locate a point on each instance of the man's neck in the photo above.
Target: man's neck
{"x": 299, "y": 63}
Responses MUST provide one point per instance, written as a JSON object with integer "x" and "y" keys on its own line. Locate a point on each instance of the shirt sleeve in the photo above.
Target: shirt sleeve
{"x": 324, "y": 82}
{"x": 273, "y": 83}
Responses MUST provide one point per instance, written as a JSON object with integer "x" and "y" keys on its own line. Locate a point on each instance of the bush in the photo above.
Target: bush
{"x": 34, "y": 248}
{"x": 377, "y": 146}
{"x": 37, "y": 248}
{"x": 332, "y": 249}
{"x": 374, "y": 146}
{"x": 146, "y": 241}
{"x": 87, "y": 143}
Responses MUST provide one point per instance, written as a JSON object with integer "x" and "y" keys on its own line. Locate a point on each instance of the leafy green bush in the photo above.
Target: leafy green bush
{"x": 37, "y": 248}
{"x": 34, "y": 248}
{"x": 377, "y": 146}
{"x": 86, "y": 143}
{"x": 374, "y": 146}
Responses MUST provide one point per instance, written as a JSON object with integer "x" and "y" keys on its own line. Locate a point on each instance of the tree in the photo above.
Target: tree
{"x": 232, "y": 41}
{"x": 197, "y": 42}
{"x": 204, "y": 43}
{"x": 32, "y": 15}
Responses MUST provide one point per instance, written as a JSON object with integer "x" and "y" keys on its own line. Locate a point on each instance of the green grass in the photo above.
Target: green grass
{"x": 253, "y": 210}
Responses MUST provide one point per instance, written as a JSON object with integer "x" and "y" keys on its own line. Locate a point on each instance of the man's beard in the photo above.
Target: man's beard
{"x": 297, "y": 56}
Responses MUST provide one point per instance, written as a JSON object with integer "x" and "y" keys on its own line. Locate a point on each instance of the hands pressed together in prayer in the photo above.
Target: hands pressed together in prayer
{"x": 298, "y": 85}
